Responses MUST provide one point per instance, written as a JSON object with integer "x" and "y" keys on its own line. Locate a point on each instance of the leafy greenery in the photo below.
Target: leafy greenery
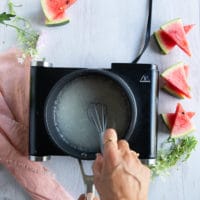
{"x": 27, "y": 37}
{"x": 5, "y": 17}
{"x": 173, "y": 151}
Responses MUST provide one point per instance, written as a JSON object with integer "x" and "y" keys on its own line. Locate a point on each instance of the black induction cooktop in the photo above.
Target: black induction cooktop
{"x": 142, "y": 81}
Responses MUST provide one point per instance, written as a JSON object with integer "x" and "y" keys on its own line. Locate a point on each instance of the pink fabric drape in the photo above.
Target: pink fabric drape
{"x": 14, "y": 117}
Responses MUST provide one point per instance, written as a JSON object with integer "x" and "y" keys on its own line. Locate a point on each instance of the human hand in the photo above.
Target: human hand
{"x": 118, "y": 173}
{"x": 83, "y": 197}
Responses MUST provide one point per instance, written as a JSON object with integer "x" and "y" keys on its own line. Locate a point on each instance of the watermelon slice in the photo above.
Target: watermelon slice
{"x": 60, "y": 20}
{"x": 167, "y": 87}
{"x": 182, "y": 125}
{"x": 173, "y": 90}
{"x": 175, "y": 76}
{"x": 54, "y": 11}
{"x": 174, "y": 29}
{"x": 165, "y": 42}
{"x": 169, "y": 118}
{"x": 187, "y": 28}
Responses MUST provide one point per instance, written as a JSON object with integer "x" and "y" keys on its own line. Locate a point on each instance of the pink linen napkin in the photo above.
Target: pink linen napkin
{"x": 14, "y": 112}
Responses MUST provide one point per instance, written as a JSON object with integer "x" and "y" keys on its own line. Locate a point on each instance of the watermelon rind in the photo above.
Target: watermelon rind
{"x": 47, "y": 14}
{"x": 192, "y": 129}
{"x": 56, "y": 22}
{"x": 165, "y": 120}
{"x": 171, "y": 68}
{"x": 172, "y": 92}
{"x": 171, "y": 22}
{"x": 160, "y": 43}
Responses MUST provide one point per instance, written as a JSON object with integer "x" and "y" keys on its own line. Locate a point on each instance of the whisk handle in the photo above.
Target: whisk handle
{"x": 90, "y": 194}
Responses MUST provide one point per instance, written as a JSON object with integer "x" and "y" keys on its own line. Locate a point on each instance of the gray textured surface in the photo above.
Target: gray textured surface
{"x": 102, "y": 32}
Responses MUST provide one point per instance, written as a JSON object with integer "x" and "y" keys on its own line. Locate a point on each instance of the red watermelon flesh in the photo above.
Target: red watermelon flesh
{"x": 182, "y": 125}
{"x": 174, "y": 29}
{"x": 175, "y": 75}
{"x": 187, "y": 28}
{"x": 169, "y": 118}
{"x": 54, "y": 8}
{"x": 173, "y": 90}
{"x": 165, "y": 42}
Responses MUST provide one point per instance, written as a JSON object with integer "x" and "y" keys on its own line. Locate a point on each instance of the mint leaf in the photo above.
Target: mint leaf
{"x": 5, "y": 17}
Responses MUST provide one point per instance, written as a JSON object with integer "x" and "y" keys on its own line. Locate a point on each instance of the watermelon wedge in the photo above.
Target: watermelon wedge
{"x": 182, "y": 125}
{"x": 54, "y": 11}
{"x": 173, "y": 90}
{"x": 169, "y": 118}
{"x": 165, "y": 42}
{"x": 187, "y": 28}
{"x": 60, "y": 20}
{"x": 174, "y": 29}
{"x": 176, "y": 77}
{"x": 167, "y": 87}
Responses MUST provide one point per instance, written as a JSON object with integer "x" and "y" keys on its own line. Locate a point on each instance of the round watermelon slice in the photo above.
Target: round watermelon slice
{"x": 165, "y": 42}
{"x": 176, "y": 76}
{"x": 54, "y": 11}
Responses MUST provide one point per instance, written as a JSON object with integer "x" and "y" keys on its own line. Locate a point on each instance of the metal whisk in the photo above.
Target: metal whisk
{"x": 97, "y": 113}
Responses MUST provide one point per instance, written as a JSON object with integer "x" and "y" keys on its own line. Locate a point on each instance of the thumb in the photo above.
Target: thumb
{"x": 82, "y": 197}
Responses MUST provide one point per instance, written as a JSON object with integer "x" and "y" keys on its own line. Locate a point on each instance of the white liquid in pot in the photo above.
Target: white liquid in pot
{"x": 70, "y": 110}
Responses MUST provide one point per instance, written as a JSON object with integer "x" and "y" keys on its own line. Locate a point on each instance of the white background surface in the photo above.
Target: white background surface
{"x": 102, "y": 32}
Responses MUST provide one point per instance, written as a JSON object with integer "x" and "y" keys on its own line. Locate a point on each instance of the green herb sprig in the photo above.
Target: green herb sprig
{"x": 27, "y": 37}
{"x": 173, "y": 151}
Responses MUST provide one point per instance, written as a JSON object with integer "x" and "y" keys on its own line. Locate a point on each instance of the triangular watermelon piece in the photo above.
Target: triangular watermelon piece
{"x": 175, "y": 75}
{"x": 182, "y": 125}
{"x": 173, "y": 90}
{"x": 187, "y": 28}
{"x": 174, "y": 29}
{"x": 165, "y": 42}
{"x": 54, "y": 8}
{"x": 169, "y": 118}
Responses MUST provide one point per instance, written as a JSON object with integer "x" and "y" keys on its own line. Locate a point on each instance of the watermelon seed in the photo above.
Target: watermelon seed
{"x": 183, "y": 113}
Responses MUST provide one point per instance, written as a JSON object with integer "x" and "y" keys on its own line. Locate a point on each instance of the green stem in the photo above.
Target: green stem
{"x": 17, "y": 28}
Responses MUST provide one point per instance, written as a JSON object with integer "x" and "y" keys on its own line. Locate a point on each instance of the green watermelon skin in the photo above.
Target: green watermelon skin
{"x": 174, "y": 29}
{"x": 170, "y": 89}
{"x": 182, "y": 125}
{"x": 60, "y": 20}
{"x": 165, "y": 42}
{"x": 175, "y": 75}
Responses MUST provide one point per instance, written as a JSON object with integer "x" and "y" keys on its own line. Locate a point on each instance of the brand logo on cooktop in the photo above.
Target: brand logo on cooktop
{"x": 145, "y": 79}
